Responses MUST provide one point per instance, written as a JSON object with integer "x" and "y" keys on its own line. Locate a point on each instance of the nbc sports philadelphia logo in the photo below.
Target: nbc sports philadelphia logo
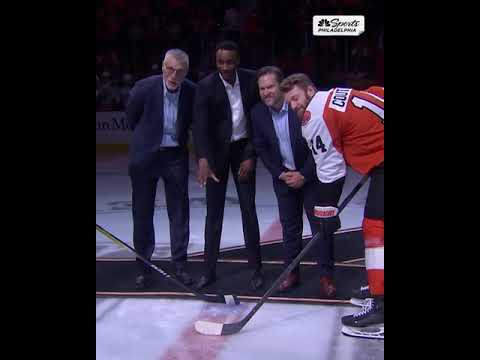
{"x": 338, "y": 25}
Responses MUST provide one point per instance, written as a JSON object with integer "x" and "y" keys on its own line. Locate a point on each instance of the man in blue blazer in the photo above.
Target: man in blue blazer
{"x": 278, "y": 141}
{"x": 160, "y": 110}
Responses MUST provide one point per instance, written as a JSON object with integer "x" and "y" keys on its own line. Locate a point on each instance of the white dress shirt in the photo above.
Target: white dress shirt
{"x": 282, "y": 129}
{"x": 239, "y": 122}
{"x": 170, "y": 112}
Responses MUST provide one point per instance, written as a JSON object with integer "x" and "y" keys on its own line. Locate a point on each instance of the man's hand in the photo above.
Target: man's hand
{"x": 294, "y": 179}
{"x": 245, "y": 169}
{"x": 204, "y": 172}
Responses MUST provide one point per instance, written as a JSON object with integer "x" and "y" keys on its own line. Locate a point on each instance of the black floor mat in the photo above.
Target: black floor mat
{"x": 348, "y": 246}
{"x": 117, "y": 277}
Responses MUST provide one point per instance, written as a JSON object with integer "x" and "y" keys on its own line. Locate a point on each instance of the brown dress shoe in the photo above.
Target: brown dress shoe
{"x": 292, "y": 281}
{"x": 327, "y": 287}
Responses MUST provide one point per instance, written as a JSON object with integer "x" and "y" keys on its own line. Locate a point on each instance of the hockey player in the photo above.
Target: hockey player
{"x": 344, "y": 127}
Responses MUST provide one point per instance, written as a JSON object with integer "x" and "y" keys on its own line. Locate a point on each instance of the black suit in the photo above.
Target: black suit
{"x": 212, "y": 136}
{"x": 149, "y": 161}
{"x": 291, "y": 201}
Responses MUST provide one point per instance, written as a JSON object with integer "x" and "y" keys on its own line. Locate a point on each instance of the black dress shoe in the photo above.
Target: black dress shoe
{"x": 205, "y": 281}
{"x": 183, "y": 276}
{"x": 257, "y": 280}
{"x": 143, "y": 281}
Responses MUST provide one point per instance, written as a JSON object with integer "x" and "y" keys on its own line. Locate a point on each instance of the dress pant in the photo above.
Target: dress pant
{"x": 215, "y": 193}
{"x": 171, "y": 165}
{"x": 290, "y": 209}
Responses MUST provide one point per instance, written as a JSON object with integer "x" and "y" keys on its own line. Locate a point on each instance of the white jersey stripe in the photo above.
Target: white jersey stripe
{"x": 374, "y": 258}
{"x": 375, "y": 96}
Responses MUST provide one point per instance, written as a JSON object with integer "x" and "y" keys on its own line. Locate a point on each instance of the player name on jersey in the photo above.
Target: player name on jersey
{"x": 339, "y": 99}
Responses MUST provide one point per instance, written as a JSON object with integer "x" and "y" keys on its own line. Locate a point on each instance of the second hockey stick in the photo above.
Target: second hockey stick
{"x": 217, "y": 298}
{"x": 214, "y": 328}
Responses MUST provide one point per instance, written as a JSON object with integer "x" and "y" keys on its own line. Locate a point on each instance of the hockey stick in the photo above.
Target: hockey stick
{"x": 218, "y": 298}
{"x": 214, "y": 328}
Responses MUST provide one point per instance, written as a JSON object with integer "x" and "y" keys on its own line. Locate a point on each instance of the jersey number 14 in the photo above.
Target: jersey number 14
{"x": 319, "y": 145}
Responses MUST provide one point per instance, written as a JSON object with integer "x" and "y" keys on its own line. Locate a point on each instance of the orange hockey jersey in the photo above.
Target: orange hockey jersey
{"x": 345, "y": 127}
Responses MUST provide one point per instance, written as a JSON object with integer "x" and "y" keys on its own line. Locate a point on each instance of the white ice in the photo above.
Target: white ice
{"x": 163, "y": 329}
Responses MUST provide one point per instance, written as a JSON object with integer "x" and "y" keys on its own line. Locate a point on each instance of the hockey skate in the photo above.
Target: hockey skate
{"x": 359, "y": 296}
{"x": 368, "y": 323}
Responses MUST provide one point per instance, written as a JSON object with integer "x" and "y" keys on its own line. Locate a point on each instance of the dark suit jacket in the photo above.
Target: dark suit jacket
{"x": 145, "y": 115}
{"x": 267, "y": 147}
{"x": 213, "y": 117}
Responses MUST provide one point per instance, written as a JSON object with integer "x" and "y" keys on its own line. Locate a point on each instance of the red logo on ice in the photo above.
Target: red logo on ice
{"x": 306, "y": 117}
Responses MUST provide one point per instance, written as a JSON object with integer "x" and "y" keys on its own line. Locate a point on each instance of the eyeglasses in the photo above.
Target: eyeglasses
{"x": 172, "y": 70}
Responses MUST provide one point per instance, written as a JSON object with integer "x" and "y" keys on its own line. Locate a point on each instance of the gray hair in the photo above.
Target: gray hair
{"x": 178, "y": 54}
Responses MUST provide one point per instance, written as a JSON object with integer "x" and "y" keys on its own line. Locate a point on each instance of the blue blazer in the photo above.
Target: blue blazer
{"x": 144, "y": 114}
{"x": 266, "y": 144}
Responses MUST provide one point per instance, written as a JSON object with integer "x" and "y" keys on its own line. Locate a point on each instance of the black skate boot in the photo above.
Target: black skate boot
{"x": 369, "y": 322}
{"x": 359, "y": 296}
{"x": 371, "y": 314}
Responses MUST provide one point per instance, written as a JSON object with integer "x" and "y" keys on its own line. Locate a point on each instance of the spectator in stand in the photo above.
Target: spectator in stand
{"x": 107, "y": 95}
{"x": 124, "y": 90}
{"x": 97, "y": 86}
